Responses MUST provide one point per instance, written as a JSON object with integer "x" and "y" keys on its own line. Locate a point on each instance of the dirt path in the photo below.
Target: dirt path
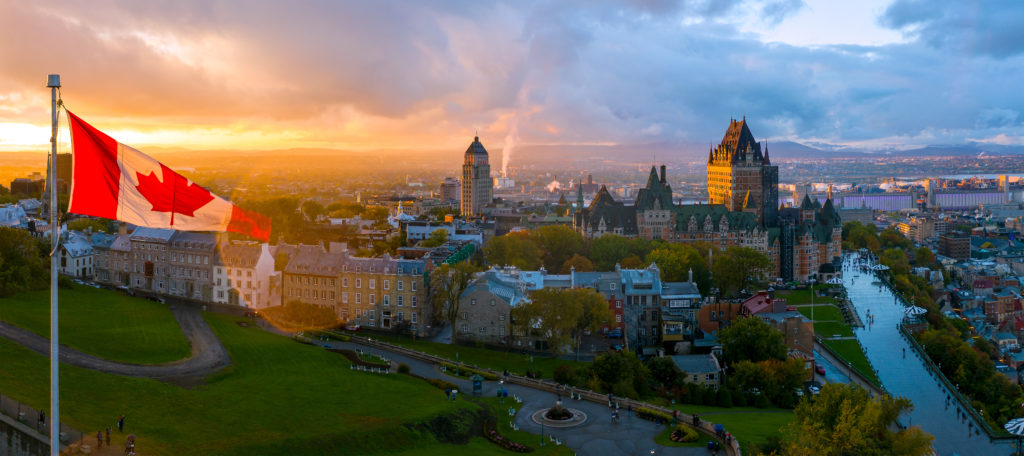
{"x": 208, "y": 355}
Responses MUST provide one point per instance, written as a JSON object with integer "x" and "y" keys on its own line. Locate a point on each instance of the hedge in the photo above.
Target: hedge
{"x": 684, "y": 434}
{"x": 653, "y": 415}
{"x": 469, "y": 371}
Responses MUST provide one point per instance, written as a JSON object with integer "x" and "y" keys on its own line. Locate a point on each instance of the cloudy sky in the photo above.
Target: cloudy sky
{"x": 209, "y": 74}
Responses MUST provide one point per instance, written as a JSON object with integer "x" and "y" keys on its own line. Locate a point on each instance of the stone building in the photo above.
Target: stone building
{"x": 149, "y": 270}
{"x": 242, "y": 274}
{"x": 190, "y": 260}
{"x": 386, "y": 293}
{"x": 741, "y": 177}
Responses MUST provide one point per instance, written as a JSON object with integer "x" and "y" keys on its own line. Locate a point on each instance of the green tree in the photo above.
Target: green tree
{"x": 578, "y": 263}
{"x": 665, "y": 371}
{"x": 675, "y": 261}
{"x": 845, "y": 420}
{"x": 97, "y": 225}
{"x": 513, "y": 249}
{"x": 312, "y": 210}
{"x": 737, "y": 268}
{"x": 23, "y": 262}
{"x": 561, "y": 316}
{"x": 751, "y": 339}
{"x": 436, "y": 238}
{"x": 558, "y": 243}
{"x": 447, "y": 283}
{"x": 632, "y": 262}
{"x": 923, "y": 256}
{"x": 611, "y": 249}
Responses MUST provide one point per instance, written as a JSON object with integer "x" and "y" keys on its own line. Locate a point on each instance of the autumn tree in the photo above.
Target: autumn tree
{"x": 22, "y": 265}
{"x": 845, "y": 420}
{"x": 776, "y": 379}
{"x": 737, "y": 268}
{"x": 447, "y": 283}
{"x": 578, "y": 263}
{"x": 675, "y": 261}
{"x": 611, "y": 249}
{"x": 312, "y": 210}
{"x": 436, "y": 238}
{"x": 557, "y": 243}
{"x": 98, "y": 225}
{"x": 561, "y": 316}
{"x": 513, "y": 249}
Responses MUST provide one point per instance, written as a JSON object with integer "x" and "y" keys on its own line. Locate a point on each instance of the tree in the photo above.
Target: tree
{"x": 845, "y": 420}
{"x": 736, "y": 268}
{"x": 436, "y": 238}
{"x": 776, "y": 379}
{"x": 751, "y": 339}
{"x": 447, "y": 283}
{"x": 675, "y": 261}
{"x": 578, "y": 263}
{"x": 596, "y": 313}
{"x": 923, "y": 256}
{"x": 312, "y": 210}
{"x": 561, "y": 316}
{"x": 22, "y": 262}
{"x": 97, "y": 225}
{"x": 611, "y": 249}
{"x": 513, "y": 249}
{"x": 558, "y": 243}
{"x": 665, "y": 371}
{"x": 632, "y": 262}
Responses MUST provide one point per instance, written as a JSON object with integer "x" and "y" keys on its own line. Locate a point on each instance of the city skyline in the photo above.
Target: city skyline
{"x": 881, "y": 75}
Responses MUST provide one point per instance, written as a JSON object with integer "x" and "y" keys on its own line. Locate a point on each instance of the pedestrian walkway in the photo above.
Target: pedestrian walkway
{"x": 597, "y": 436}
{"x": 907, "y": 376}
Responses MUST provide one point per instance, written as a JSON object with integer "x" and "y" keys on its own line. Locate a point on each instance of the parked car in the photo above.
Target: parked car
{"x": 814, "y": 389}
{"x": 353, "y": 328}
{"x": 819, "y": 369}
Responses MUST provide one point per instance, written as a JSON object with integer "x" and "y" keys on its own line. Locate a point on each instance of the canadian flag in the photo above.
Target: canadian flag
{"x": 115, "y": 181}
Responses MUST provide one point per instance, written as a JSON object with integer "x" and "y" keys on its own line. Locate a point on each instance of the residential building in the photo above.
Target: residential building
{"x": 311, "y": 276}
{"x": 28, "y": 186}
{"x": 449, "y": 189}
{"x": 700, "y": 369}
{"x": 477, "y": 187}
{"x": 190, "y": 260}
{"x": 149, "y": 270}
{"x": 386, "y": 293}
{"x": 955, "y": 245}
{"x": 486, "y": 306}
{"x": 242, "y": 274}
{"x": 74, "y": 257}
{"x": 680, "y": 302}
{"x": 113, "y": 258}
{"x": 642, "y": 292}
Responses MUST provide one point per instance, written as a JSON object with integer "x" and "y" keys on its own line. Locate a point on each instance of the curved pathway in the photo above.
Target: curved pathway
{"x": 208, "y": 355}
{"x": 596, "y": 436}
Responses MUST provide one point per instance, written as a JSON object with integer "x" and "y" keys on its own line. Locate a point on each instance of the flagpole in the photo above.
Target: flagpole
{"x": 53, "y": 82}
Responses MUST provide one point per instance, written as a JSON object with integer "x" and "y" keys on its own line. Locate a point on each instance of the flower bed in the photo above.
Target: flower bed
{"x": 683, "y": 434}
{"x": 490, "y": 433}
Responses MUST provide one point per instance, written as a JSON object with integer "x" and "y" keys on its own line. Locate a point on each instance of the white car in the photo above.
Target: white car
{"x": 814, "y": 389}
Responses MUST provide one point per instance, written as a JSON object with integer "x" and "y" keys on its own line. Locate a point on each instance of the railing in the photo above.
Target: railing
{"x": 732, "y": 447}
{"x": 29, "y": 416}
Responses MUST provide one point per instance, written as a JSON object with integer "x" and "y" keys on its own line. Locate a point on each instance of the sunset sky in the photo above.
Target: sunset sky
{"x": 258, "y": 74}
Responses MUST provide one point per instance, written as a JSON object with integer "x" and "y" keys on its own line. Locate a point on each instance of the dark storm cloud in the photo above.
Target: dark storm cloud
{"x": 991, "y": 27}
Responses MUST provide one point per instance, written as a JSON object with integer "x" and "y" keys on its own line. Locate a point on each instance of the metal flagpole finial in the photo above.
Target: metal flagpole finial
{"x": 53, "y": 80}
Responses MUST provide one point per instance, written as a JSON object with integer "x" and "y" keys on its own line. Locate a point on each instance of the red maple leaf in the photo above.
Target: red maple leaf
{"x": 174, "y": 194}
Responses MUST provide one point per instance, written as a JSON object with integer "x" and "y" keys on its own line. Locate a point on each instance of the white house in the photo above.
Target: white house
{"x": 242, "y": 274}
{"x": 74, "y": 258}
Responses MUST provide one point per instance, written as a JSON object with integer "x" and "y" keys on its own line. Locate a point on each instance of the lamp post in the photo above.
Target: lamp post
{"x": 812, "y": 301}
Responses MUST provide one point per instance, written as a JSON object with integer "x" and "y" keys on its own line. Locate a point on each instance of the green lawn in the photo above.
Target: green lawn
{"x": 102, "y": 322}
{"x": 492, "y": 359}
{"x": 832, "y": 328}
{"x": 278, "y": 397}
{"x": 753, "y": 428}
{"x": 851, "y": 350}
{"x": 796, "y": 297}
{"x": 826, "y": 312}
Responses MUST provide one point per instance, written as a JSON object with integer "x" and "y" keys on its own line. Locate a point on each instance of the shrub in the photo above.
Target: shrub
{"x": 653, "y": 415}
{"x": 403, "y": 368}
{"x": 683, "y": 433}
{"x": 441, "y": 384}
{"x": 564, "y": 373}
{"x": 468, "y": 372}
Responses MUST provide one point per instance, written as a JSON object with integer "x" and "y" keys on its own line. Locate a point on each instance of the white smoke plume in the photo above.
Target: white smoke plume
{"x": 511, "y": 139}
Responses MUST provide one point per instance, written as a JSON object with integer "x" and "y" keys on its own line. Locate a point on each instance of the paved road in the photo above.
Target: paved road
{"x": 208, "y": 355}
{"x": 597, "y": 436}
{"x": 908, "y": 377}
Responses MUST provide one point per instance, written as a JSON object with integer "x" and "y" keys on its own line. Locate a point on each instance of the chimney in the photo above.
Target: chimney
{"x": 122, "y": 229}
{"x": 662, "y": 174}
{"x": 691, "y": 275}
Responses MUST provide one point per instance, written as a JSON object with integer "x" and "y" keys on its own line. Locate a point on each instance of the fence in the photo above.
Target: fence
{"x": 708, "y": 428}
{"x": 30, "y": 417}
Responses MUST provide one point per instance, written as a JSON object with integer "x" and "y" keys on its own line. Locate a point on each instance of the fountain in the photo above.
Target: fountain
{"x": 559, "y": 416}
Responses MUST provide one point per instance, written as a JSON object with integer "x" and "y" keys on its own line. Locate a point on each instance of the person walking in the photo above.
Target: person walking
{"x": 108, "y": 436}
{"x": 120, "y": 424}
{"x": 99, "y": 439}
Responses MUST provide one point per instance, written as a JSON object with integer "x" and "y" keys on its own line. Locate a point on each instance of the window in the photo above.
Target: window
{"x": 359, "y": 283}
{"x": 611, "y": 286}
{"x": 618, "y": 318}
{"x": 465, "y": 327}
{"x": 220, "y": 294}
{"x": 401, "y": 316}
{"x": 501, "y": 317}
{"x": 401, "y": 285}
{"x": 387, "y": 300}
{"x": 492, "y": 301}
{"x": 332, "y": 282}
{"x": 413, "y": 285}
{"x": 344, "y": 281}
{"x": 695, "y": 378}
{"x": 501, "y": 331}
{"x": 414, "y": 301}
{"x": 472, "y": 302}
{"x": 373, "y": 284}
{"x": 248, "y": 273}
{"x": 387, "y": 284}
{"x": 373, "y": 299}
{"x": 618, "y": 304}
{"x": 400, "y": 300}
{"x": 332, "y": 296}
{"x": 465, "y": 315}
{"x": 344, "y": 297}
{"x": 482, "y": 330}
{"x": 413, "y": 317}
{"x": 359, "y": 298}
{"x": 373, "y": 314}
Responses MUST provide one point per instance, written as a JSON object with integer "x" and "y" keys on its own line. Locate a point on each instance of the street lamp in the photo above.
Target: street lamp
{"x": 812, "y": 301}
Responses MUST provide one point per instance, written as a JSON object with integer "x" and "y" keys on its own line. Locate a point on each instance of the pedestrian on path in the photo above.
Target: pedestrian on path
{"x": 99, "y": 439}
{"x": 108, "y": 436}
{"x": 41, "y": 424}
{"x": 120, "y": 424}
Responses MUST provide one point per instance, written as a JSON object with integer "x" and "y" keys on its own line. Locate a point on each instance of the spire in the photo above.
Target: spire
{"x": 767, "y": 161}
{"x": 579, "y": 195}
